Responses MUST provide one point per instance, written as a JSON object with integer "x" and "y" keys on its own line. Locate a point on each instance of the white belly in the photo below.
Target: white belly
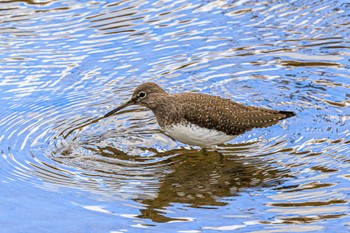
{"x": 194, "y": 135}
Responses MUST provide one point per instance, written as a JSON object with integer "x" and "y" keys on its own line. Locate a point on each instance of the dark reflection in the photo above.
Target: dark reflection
{"x": 202, "y": 181}
{"x": 310, "y": 63}
{"x": 184, "y": 176}
{"x": 30, "y": 2}
{"x": 117, "y": 21}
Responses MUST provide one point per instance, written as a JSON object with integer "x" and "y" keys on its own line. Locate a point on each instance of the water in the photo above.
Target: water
{"x": 65, "y": 63}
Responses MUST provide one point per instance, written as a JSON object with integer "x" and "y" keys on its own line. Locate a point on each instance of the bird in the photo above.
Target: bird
{"x": 200, "y": 119}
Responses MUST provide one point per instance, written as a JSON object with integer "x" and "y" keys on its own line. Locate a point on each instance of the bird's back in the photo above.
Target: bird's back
{"x": 213, "y": 112}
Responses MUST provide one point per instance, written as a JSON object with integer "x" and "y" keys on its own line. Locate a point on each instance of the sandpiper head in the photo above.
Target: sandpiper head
{"x": 143, "y": 95}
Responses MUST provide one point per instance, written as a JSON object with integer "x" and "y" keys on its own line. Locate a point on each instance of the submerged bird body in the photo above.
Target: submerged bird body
{"x": 200, "y": 119}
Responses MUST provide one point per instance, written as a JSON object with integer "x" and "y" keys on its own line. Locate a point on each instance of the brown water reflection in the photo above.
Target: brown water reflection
{"x": 177, "y": 176}
{"x": 31, "y": 2}
{"x": 202, "y": 181}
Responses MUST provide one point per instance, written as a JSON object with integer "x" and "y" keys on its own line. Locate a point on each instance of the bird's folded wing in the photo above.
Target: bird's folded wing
{"x": 227, "y": 116}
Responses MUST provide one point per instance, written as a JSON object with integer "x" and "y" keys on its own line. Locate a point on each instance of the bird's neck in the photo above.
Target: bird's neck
{"x": 163, "y": 108}
{"x": 161, "y": 105}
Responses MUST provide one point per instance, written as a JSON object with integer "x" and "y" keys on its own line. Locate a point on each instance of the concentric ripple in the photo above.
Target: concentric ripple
{"x": 64, "y": 64}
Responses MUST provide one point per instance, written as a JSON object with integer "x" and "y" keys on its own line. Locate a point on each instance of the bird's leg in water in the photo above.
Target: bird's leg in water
{"x": 206, "y": 152}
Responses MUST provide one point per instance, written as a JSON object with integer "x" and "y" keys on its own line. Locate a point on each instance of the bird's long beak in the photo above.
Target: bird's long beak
{"x": 130, "y": 102}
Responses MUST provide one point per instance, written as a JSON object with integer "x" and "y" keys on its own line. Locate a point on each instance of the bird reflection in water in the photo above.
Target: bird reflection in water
{"x": 202, "y": 181}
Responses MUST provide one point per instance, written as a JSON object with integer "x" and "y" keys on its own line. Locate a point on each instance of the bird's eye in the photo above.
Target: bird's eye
{"x": 142, "y": 94}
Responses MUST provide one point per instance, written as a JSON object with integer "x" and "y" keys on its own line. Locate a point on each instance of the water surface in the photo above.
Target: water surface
{"x": 64, "y": 64}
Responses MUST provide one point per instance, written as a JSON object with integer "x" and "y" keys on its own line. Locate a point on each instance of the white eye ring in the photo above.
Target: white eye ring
{"x": 142, "y": 94}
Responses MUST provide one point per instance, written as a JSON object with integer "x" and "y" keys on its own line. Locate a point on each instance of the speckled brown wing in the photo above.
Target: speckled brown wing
{"x": 224, "y": 115}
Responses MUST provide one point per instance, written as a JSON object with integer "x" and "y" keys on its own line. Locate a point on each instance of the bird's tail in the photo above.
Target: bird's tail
{"x": 287, "y": 114}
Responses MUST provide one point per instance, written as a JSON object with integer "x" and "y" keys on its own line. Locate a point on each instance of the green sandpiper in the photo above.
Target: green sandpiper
{"x": 200, "y": 119}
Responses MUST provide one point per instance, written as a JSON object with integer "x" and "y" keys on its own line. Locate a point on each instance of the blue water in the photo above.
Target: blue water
{"x": 65, "y": 63}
